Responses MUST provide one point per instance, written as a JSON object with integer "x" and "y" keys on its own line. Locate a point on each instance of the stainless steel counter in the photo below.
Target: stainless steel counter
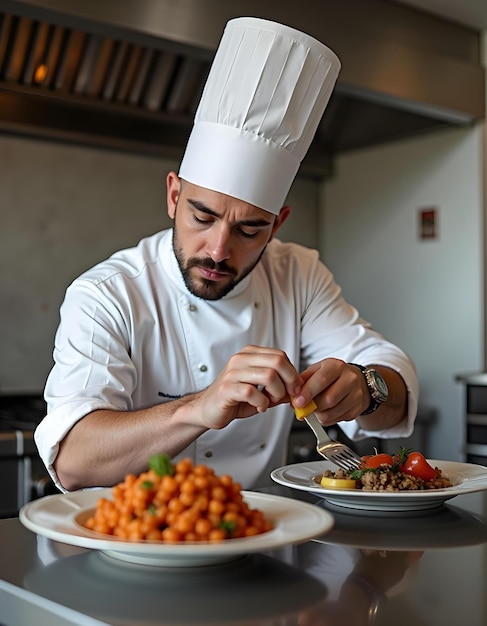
{"x": 426, "y": 569}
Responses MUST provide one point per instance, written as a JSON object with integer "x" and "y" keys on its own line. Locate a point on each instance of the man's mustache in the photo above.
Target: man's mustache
{"x": 211, "y": 265}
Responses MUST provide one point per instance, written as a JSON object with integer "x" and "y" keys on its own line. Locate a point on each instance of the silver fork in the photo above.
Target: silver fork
{"x": 334, "y": 451}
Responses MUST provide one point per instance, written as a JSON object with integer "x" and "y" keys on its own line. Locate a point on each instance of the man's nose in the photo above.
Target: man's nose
{"x": 219, "y": 245}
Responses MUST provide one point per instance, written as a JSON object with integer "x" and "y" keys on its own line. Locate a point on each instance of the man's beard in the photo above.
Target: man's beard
{"x": 209, "y": 289}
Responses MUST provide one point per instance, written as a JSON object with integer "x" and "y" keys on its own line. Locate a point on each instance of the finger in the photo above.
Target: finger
{"x": 231, "y": 400}
{"x": 327, "y": 382}
{"x": 270, "y": 368}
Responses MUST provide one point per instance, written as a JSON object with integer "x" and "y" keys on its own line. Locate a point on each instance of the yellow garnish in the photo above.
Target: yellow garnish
{"x": 303, "y": 412}
{"x": 338, "y": 483}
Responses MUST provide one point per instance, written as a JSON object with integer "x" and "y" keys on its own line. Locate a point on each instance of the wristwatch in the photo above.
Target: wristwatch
{"x": 376, "y": 385}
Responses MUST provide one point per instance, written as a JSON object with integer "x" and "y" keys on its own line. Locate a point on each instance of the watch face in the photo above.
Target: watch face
{"x": 381, "y": 386}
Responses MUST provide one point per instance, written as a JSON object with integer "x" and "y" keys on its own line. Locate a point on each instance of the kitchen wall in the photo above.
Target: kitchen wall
{"x": 424, "y": 294}
{"x": 62, "y": 209}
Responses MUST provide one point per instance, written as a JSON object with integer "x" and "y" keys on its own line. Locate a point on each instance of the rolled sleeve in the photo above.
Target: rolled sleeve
{"x": 88, "y": 375}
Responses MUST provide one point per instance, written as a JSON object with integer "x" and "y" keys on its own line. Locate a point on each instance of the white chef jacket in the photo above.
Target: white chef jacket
{"x": 131, "y": 336}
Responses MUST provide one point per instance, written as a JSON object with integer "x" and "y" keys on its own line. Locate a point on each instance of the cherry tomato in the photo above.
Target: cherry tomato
{"x": 376, "y": 460}
{"x": 417, "y": 465}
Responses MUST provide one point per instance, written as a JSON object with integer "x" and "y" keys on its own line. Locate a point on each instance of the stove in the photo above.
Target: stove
{"x": 24, "y": 477}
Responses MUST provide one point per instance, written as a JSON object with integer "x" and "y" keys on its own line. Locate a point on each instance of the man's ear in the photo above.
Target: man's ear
{"x": 173, "y": 185}
{"x": 280, "y": 219}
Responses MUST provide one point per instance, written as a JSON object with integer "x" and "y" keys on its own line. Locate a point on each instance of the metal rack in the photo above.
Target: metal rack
{"x": 475, "y": 416}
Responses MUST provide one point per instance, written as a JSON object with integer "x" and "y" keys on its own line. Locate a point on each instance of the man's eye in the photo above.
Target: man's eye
{"x": 249, "y": 235}
{"x": 198, "y": 220}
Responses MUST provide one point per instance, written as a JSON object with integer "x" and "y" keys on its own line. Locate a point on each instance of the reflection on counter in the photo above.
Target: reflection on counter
{"x": 92, "y": 582}
{"x": 445, "y": 526}
{"x": 365, "y": 586}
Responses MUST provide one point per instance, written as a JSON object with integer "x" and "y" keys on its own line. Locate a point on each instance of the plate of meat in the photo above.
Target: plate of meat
{"x": 462, "y": 478}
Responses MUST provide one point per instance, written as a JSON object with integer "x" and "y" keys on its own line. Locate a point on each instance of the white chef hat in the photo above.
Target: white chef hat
{"x": 265, "y": 95}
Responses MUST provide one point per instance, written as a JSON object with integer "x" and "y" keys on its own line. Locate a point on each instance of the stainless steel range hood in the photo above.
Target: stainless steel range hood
{"x": 128, "y": 74}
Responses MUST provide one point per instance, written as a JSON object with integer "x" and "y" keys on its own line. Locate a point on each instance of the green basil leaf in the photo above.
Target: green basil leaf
{"x": 161, "y": 464}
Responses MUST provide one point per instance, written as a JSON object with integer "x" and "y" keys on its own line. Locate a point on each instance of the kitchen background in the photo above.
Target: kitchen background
{"x": 70, "y": 200}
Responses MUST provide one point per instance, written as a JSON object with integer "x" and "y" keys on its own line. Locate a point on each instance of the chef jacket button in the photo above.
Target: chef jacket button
{"x": 208, "y": 454}
{"x": 202, "y": 367}
{"x": 192, "y": 308}
{"x": 262, "y": 445}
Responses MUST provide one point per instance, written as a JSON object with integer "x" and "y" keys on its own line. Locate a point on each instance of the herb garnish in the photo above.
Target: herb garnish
{"x": 229, "y": 527}
{"x": 161, "y": 464}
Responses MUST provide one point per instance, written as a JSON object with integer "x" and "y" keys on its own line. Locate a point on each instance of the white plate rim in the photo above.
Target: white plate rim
{"x": 468, "y": 477}
{"x": 294, "y": 522}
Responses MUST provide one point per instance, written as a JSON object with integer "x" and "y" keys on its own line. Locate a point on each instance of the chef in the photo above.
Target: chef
{"x": 194, "y": 341}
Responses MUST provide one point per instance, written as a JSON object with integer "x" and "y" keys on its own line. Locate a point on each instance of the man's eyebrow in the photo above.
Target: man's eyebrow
{"x": 199, "y": 206}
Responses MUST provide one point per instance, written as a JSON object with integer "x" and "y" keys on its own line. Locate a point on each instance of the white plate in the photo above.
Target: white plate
{"x": 466, "y": 478}
{"x": 57, "y": 517}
